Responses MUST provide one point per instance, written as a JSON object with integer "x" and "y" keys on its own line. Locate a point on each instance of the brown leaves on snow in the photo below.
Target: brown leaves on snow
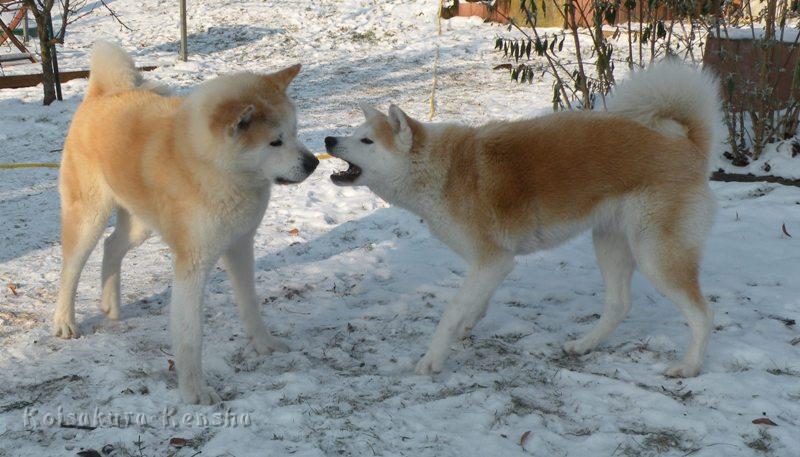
{"x": 524, "y": 438}
{"x": 764, "y": 421}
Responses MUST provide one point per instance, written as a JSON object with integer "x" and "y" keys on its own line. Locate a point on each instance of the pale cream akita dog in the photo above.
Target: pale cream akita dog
{"x": 195, "y": 169}
{"x": 636, "y": 176}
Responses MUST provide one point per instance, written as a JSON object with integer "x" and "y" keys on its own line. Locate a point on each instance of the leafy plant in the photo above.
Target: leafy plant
{"x": 604, "y": 34}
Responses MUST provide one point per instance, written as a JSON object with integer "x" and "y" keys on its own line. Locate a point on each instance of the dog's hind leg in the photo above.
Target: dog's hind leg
{"x": 616, "y": 265}
{"x": 667, "y": 252}
{"x": 466, "y": 309}
{"x": 85, "y": 209}
{"x": 675, "y": 274}
{"x": 129, "y": 232}
{"x": 239, "y": 262}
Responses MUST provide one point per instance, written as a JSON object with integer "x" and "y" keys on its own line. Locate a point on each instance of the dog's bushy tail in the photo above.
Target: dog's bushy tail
{"x": 675, "y": 99}
{"x": 112, "y": 70}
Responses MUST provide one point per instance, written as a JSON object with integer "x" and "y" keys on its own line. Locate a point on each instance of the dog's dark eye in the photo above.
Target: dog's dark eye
{"x": 366, "y": 141}
{"x": 276, "y": 143}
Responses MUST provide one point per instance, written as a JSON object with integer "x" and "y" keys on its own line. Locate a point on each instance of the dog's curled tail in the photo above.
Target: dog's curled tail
{"x": 111, "y": 71}
{"x": 675, "y": 99}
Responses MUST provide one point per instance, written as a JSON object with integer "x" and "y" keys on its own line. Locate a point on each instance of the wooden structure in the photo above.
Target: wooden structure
{"x": 550, "y": 12}
{"x": 16, "y": 81}
{"x": 20, "y": 10}
{"x": 184, "y": 44}
{"x": 737, "y": 62}
{"x": 506, "y": 10}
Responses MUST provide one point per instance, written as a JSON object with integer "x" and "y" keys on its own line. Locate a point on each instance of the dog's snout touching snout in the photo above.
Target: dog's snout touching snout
{"x": 310, "y": 163}
{"x": 330, "y": 142}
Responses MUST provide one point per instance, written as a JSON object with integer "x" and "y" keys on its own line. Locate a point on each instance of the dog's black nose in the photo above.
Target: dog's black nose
{"x": 330, "y": 142}
{"x": 310, "y": 163}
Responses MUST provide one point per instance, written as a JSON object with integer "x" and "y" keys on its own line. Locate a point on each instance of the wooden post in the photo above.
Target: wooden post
{"x": 25, "y": 36}
{"x": 184, "y": 51}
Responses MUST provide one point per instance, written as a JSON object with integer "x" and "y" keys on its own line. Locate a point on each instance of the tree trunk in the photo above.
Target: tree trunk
{"x": 41, "y": 13}
{"x": 48, "y": 78}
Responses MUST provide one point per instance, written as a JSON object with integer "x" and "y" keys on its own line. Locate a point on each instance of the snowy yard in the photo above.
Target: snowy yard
{"x": 359, "y": 287}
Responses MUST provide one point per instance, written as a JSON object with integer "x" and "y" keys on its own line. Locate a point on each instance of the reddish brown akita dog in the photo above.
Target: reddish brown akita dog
{"x": 197, "y": 170}
{"x": 637, "y": 177}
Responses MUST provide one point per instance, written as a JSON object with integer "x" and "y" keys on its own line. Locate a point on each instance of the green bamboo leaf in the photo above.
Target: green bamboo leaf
{"x": 539, "y": 47}
{"x": 611, "y": 15}
{"x": 730, "y": 87}
{"x": 661, "y": 31}
{"x": 556, "y": 95}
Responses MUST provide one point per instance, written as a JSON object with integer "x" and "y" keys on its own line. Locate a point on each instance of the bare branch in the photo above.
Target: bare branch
{"x": 115, "y": 16}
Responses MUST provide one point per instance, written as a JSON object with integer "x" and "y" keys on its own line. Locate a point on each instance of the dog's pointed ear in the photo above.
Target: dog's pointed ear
{"x": 369, "y": 111}
{"x": 284, "y": 77}
{"x": 399, "y": 121}
{"x": 241, "y": 123}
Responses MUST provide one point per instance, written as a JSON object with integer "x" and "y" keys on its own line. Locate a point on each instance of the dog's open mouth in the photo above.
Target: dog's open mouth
{"x": 347, "y": 176}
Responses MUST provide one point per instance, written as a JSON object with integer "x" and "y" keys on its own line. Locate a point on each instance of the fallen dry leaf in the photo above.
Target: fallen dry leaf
{"x": 294, "y": 232}
{"x": 178, "y": 442}
{"x": 13, "y": 288}
{"x": 170, "y": 365}
{"x": 89, "y": 453}
{"x": 764, "y": 421}
{"x": 524, "y": 438}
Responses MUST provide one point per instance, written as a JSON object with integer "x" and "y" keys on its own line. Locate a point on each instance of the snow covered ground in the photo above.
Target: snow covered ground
{"x": 358, "y": 290}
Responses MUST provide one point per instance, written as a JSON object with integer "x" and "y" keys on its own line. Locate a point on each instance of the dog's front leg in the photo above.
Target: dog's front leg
{"x": 186, "y": 325}
{"x": 239, "y": 262}
{"x": 466, "y": 309}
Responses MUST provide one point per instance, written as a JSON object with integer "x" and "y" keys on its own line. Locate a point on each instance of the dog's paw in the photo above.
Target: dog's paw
{"x": 200, "y": 395}
{"x": 430, "y": 364}
{"x": 682, "y": 370}
{"x": 65, "y": 328}
{"x": 265, "y": 343}
{"x": 577, "y": 347}
{"x": 110, "y": 310}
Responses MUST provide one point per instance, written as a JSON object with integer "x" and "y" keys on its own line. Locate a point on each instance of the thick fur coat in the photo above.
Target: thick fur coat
{"x": 635, "y": 175}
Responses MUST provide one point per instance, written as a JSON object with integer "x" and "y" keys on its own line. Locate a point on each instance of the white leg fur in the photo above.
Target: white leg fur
{"x": 239, "y": 262}
{"x": 700, "y": 323}
{"x": 466, "y": 309}
{"x": 128, "y": 233}
{"x": 186, "y": 326}
{"x": 86, "y": 223}
{"x": 616, "y": 265}
{"x": 698, "y": 315}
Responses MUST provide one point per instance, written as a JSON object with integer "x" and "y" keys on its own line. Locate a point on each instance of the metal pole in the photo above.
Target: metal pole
{"x": 183, "y": 31}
